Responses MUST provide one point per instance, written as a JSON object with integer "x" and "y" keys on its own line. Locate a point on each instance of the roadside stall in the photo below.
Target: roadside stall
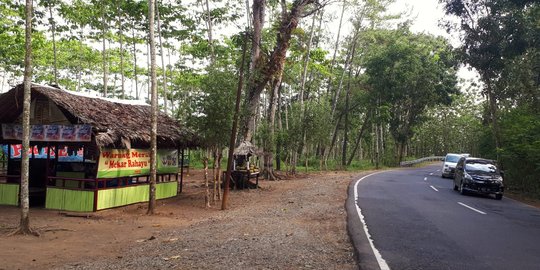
{"x": 87, "y": 153}
{"x": 245, "y": 166}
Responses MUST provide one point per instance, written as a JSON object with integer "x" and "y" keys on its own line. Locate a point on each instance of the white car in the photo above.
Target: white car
{"x": 449, "y": 165}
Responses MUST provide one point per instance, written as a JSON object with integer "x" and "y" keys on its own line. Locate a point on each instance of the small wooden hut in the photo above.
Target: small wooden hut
{"x": 244, "y": 167}
{"x": 87, "y": 153}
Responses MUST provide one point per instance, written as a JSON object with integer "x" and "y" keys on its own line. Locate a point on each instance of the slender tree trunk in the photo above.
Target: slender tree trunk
{"x": 149, "y": 91}
{"x": 235, "y": 126}
{"x": 165, "y": 92}
{"x": 336, "y": 47}
{"x": 210, "y": 39}
{"x": 24, "y": 225}
{"x": 80, "y": 58}
{"x": 280, "y": 128}
{"x": 121, "y": 40}
{"x": 358, "y": 139}
{"x": 306, "y": 62}
{"x": 347, "y": 97}
{"x": 217, "y": 179}
{"x": 135, "y": 60}
{"x": 207, "y": 190}
{"x": 53, "y": 32}
{"x": 268, "y": 171}
{"x": 169, "y": 68}
{"x": 154, "y": 105}
{"x": 105, "y": 62}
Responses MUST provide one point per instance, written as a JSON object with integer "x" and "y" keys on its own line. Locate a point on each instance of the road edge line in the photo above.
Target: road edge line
{"x": 381, "y": 262}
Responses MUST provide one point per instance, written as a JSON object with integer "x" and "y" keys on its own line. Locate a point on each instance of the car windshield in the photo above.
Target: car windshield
{"x": 452, "y": 158}
{"x": 481, "y": 166}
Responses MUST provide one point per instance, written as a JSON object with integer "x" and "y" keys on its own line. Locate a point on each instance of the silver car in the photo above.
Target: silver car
{"x": 449, "y": 165}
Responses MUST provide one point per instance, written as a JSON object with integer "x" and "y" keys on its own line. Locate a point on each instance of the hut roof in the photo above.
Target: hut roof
{"x": 247, "y": 148}
{"x": 115, "y": 124}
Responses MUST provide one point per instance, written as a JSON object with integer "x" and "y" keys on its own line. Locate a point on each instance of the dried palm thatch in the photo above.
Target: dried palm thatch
{"x": 114, "y": 124}
{"x": 247, "y": 149}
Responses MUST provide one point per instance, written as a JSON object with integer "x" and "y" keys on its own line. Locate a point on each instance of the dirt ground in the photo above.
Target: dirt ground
{"x": 298, "y": 223}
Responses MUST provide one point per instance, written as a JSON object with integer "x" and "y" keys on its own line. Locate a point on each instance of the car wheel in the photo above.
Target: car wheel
{"x": 462, "y": 191}
{"x": 498, "y": 196}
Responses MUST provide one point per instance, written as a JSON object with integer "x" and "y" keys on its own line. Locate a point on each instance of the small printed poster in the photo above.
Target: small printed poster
{"x": 49, "y": 133}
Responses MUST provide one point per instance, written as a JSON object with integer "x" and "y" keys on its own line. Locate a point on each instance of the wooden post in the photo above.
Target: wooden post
{"x": 182, "y": 171}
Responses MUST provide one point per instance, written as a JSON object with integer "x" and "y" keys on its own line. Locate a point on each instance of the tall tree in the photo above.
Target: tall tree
{"x": 265, "y": 69}
{"x": 24, "y": 225}
{"x": 493, "y": 31}
{"x": 154, "y": 105}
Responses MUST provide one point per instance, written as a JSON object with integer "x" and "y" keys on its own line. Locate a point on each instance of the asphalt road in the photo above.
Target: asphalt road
{"x": 417, "y": 221}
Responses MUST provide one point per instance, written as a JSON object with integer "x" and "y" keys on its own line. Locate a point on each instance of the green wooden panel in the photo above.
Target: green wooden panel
{"x": 69, "y": 200}
{"x": 166, "y": 190}
{"x": 110, "y": 198}
{"x": 9, "y": 194}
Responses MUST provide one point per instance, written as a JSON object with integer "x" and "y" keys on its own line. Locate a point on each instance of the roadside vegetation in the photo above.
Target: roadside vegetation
{"x": 366, "y": 94}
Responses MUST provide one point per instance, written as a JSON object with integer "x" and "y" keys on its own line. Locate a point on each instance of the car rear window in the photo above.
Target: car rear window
{"x": 452, "y": 158}
{"x": 481, "y": 166}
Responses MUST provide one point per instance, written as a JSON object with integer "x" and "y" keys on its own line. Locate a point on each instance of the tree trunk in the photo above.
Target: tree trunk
{"x": 149, "y": 91}
{"x": 336, "y": 47}
{"x": 258, "y": 24}
{"x": 210, "y": 39}
{"x": 121, "y": 40}
{"x": 217, "y": 179}
{"x": 154, "y": 105}
{"x": 268, "y": 162}
{"x": 207, "y": 190}
{"x": 306, "y": 62}
{"x": 135, "y": 60}
{"x": 333, "y": 142}
{"x": 105, "y": 62}
{"x": 235, "y": 126}
{"x": 274, "y": 65}
{"x": 53, "y": 32}
{"x": 165, "y": 92}
{"x": 347, "y": 97}
{"x": 358, "y": 139}
{"x": 24, "y": 225}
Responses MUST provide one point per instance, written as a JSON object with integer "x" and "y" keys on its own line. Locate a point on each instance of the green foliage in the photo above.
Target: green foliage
{"x": 409, "y": 73}
{"x": 216, "y": 107}
{"x": 454, "y": 128}
{"x": 520, "y": 153}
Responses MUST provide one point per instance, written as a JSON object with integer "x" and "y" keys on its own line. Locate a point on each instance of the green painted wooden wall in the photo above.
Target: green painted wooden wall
{"x": 110, "y": 198}
{"x": 69, "y": 200}
{"x": 9, "y": 194}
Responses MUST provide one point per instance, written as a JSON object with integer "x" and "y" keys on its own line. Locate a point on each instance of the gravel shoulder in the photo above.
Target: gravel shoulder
{"x": 297, "y": 223}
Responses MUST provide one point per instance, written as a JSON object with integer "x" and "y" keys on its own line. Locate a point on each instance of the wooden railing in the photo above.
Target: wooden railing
{"x": 105, "y": 183}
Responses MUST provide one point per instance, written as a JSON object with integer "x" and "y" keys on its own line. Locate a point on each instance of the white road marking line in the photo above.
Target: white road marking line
{"x": 472, "y": 208}
{"x": 425, "y": 178}
{"x": 382, "y": 263}
{"x": 431, "y": 174}
{"x": 432, "y": 187}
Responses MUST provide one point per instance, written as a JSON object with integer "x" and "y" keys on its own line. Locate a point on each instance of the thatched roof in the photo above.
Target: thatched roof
{"x": 246, "y": 148}
{"x": 114, "y": 124}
